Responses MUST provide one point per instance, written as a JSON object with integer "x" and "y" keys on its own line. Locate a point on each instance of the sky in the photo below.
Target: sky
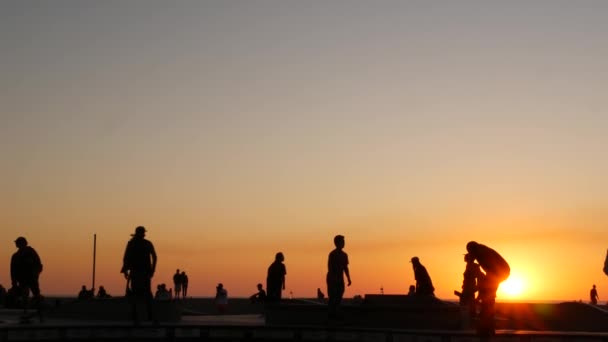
{"x": 233, "y": 130}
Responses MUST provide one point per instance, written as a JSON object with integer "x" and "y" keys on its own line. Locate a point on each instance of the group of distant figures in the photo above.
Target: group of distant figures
{"x": 485, "y": 270}
{"x": 85, "y": 293}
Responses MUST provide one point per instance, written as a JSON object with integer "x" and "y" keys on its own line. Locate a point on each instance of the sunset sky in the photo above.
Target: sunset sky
{"x": 233, "y": 130}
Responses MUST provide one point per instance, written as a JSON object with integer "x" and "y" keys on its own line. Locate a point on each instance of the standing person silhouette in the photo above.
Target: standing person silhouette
{"x": 337, "y": 267}
{"x": 177, "y": 284}
{"x": 25, "y": 271}
{"x": 497, "y": 270}
{"x": 184, "y": 278}
{"x": 424, "y": 285}
{"x": 593, "y": 295}
{"x": 470, "y": 279}
{"x": 275, "y": 280}
{"x": 139, "y": 265}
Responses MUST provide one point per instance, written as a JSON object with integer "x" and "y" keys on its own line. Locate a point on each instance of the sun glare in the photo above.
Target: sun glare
{"x": 513, "y": 287}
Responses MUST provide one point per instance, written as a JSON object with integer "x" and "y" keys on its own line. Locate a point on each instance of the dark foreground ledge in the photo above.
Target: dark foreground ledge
{"x": 166, "y": 332}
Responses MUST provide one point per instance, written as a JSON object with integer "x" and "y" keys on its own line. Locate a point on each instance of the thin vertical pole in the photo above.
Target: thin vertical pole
{"x": 94, "y": 256}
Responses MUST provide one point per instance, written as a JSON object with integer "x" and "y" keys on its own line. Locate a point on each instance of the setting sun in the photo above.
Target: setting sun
{"x": 513, "y": 287}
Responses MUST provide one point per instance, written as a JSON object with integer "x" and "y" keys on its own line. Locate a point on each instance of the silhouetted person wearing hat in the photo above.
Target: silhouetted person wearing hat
{"x": 139, "y": 265}
{"x": 275, "y": 280}
{"x": 496, "y": 271}
{"x": 337, "y": 267}
{"x": 25, "y": 271}
{"x": 424, "y": 285}
{"x": 593, "y": 295}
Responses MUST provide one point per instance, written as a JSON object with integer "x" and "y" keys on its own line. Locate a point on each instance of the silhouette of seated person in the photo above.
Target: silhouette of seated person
{"x": 260, "y": 296}
{"x": 424, "y": 285}
{"x": 102, "y": 293}
{"x": 86, "y": 294}
{"x": 162, "y": 294}
{"x": 412, "y": 290}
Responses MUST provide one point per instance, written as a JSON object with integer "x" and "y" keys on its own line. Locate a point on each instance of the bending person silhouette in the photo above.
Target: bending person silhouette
{"x": 337, "y": 267}
{"x": 497, "y": 270}
{"x": 139, "y": 265}
{"x": 424, "y": 285}
{"x": 275, "y": 281}
{"x": 25, "y": 271}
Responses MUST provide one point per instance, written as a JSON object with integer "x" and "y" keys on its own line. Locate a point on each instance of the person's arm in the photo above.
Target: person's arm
{"x": 125, "y": 262}
{"x": 347, "y": 274}
{"x": 154, "y": 259}
{"x": 13, "y": 271}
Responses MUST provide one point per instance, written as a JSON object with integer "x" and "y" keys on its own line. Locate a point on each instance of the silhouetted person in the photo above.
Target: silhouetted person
{"x": 412, "y": 290}
{"x": 221, "y": 298}
{"x": 85, "y": 294}
{"x": 337, "y": 267}
{"x": 593, "y": 295}
{"x": 102, "y": 293}
{"x": 470, "y": 278}
{"x": 320, "y": 295}
{"x": 275, "y": 280}
{"x": 260, "y": 296}
{"x": 496, "y": 271}
{"x": 25, "y": 271}
{"x": 184, "y": 279}
{"x": 424, "y": 285}
{"x": 162, "y": 293}
{"x": 2, "y": 295}
{"x": 139, "y": 265}
{"x": 177, "y": 284}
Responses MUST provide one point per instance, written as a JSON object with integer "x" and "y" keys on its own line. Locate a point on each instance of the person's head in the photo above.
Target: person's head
{"x": 415, "y": 261}
{"x": 279, "y": 257}
{"x": 177, "y": 270}
{"x": 339, "y": 241}
{"x": 140, "y": 232}
{"x": 259, "y": 286}
{"x": 83, "y": 287}
{"x": 472, "y": 248}
{"x": 220, "y": 286}
{"x": 183, "y": 272}
{"x": 20, "y": 242}
{"x": 593, "y": 285}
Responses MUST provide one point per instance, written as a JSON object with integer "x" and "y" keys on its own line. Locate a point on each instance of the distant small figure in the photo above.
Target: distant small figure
{"x": 412, "y": 290}
{"x": 275, "y": 280}
{"x": 260, "y": 296}
{"x": 593, "y": 295}
{"x": 177, "y": 284}
{"x": 424, "y": 285}
{"x": 221, "y": 298}
{"x": 184, "y": 278}
{"x": 86, "y": 294}
{"x": 139, "y": 265}
{"x": 337, "y": 267}
{"x": 25, "y": 271}
{"x": 320, "y": 295}
{"x": 496, "y": 271}
{"x": 102, "y": 293}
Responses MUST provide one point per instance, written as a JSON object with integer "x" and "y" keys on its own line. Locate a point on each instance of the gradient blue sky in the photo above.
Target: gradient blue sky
{"x": 235, "y": 129}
